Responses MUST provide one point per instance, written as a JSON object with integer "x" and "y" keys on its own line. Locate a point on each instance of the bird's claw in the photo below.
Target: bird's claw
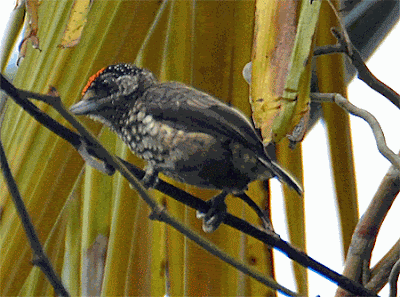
{"x": 215, "y": 215}
{"x": 150, "y": 181}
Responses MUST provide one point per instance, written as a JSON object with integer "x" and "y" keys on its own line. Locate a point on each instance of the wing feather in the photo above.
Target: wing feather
{"x": 190, "y": 109}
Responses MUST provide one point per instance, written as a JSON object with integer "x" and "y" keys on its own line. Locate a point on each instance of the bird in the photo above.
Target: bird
{"x": 182, "y": 132}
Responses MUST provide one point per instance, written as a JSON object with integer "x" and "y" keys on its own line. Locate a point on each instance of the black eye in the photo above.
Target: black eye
{"x": 111, "y": 85}
{"x": 106, "y": 87}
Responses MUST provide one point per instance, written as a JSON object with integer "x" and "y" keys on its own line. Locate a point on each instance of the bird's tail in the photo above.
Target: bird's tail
{"x": 282, "y": 175}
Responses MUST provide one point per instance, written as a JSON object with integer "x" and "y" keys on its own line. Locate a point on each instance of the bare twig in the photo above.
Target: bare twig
{"x": 37, "y": 114}
{"x": 381, "y": 271}
{"x": 329, "y": 49}
{"x": 366, "y": 232}
{"x": 348, "y": 45}
{"x": 40, "y": 258}
{"x": 345, "y": 46}
{"x": 366, "y": 75}
{"x": 365, "y": 115}
{"x": 393, "y": 277}
{"x": 279, "y": 244}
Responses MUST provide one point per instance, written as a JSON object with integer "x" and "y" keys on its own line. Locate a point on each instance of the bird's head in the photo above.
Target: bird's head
{"x": 112, "y": 90}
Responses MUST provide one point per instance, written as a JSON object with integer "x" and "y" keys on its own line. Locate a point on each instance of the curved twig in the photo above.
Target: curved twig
{"x": 381, "y": 271}
{"x": 365, "y": 115}
{"x": 344, "y": 45}
{"x": 393, "y": 277}
{"x": 40, "y": 258}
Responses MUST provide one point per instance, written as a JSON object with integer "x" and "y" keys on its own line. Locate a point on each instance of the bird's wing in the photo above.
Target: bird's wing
{"x": 281, "y": 174}
{"x": 186, "y": 108}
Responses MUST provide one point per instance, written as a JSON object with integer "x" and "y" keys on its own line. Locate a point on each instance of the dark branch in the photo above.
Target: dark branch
{"x": 37, "y": 114}
{"x": 329, "y": 49}
{"x": 364, "y": 74}
{"x": 39, "y": 256}
{"x": 245, "y": 227}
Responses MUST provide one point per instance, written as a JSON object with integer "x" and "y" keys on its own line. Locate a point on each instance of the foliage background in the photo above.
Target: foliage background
{"x": 48, "y": 170}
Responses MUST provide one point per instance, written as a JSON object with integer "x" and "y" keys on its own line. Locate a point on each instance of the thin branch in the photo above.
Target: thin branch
{"x": 40, "y": 258}
{"x": 364, "y": 236}
{"x": 37, "y": 114}
{"x": 21, "y": 98}
{"x": 393, "y": 277}
{"x": 329, "y": 49}
{"x": 346, "y": 46}
{"x": 366, "y": 232}
{"x": 96, "y": 149}
{"x": 366, "y": 75}
{"x": 365, "y": 115}
{"x": 245, "y": 227}
{"x": 345, "y": 35}
{"x": 379, "y": 275}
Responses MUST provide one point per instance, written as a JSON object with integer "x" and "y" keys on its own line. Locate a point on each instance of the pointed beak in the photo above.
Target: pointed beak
{"x": 86, "y": 105}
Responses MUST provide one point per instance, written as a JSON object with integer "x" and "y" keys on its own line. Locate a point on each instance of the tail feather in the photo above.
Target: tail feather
{"x": 282, "y": 175}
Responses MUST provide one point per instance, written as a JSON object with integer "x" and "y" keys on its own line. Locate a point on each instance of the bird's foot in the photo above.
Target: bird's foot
{"x": 215, "y": 215}
{"x": 266, "y": 222}
{"x": 150, "y": 180}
